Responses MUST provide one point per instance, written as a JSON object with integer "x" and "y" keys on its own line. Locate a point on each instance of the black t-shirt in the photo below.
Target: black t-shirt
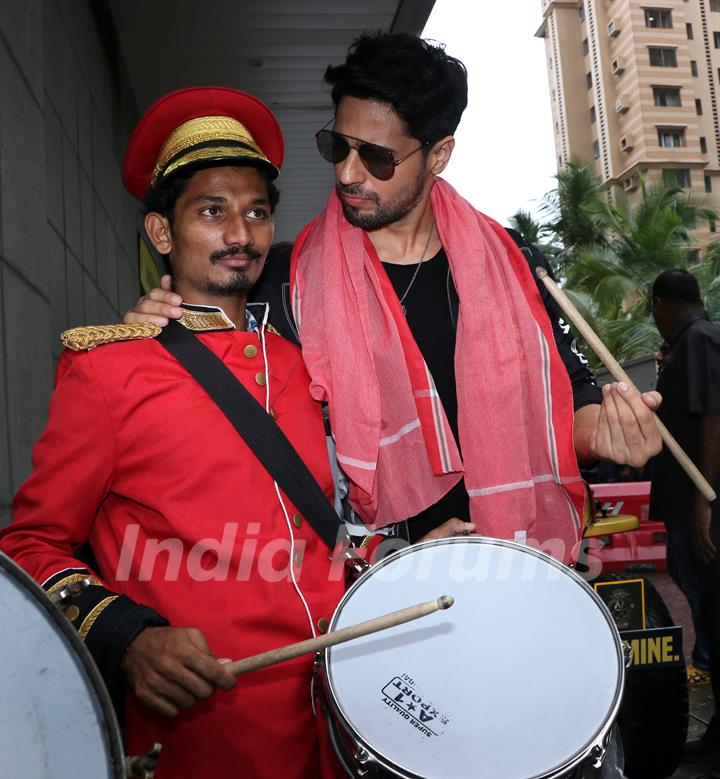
{"x": 690, "y": 387}
{"x": 430, "y": 317}
{"x": 430, "y": 312}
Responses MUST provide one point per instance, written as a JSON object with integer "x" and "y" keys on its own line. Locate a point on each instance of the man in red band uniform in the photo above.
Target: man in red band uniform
{"x": 199, "y": 555}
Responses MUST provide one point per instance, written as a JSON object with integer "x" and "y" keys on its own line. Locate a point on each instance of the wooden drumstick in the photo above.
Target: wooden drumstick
{"x": 619, "y": 374}
{"x": 339, "y": 636}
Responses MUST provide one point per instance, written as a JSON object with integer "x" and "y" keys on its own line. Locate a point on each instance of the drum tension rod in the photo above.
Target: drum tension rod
{"x": 143, "y": 767}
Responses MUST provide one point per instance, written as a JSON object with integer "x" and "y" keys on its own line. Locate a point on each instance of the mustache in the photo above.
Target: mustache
{"x": 355, "y": 190}
{"x": 235, "y": 250}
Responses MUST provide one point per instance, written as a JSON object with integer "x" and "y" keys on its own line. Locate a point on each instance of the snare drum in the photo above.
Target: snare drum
{"x": 521, "y": 679}
{"x": 56, "y": 718}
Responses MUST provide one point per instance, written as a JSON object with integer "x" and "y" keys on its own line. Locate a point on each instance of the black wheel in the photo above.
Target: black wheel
{"x": 653, "y": 717}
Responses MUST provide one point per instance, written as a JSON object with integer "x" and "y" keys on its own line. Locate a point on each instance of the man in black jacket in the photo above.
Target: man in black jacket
{"x": 690, "y": 385}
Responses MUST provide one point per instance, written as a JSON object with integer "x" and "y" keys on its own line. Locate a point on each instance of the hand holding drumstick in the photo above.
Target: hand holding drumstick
{"x": 621, "y": 376}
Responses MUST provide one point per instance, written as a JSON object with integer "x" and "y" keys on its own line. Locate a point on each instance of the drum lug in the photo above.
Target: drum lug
{"x": 71, "y": 591}
{"x": 627, "y": 653}
{"x": 143, "y": 767}
{"x": 365, "y": 762}
{"x": 354, "y": 562}
{"x": 358, "y": 566}
{"x": 598, "y": 755}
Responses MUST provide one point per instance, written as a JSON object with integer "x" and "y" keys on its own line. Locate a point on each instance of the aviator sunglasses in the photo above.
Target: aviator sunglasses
{"x": 377, "y": 160}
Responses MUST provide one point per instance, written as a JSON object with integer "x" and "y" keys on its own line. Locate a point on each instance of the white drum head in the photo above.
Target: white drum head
{"x": 519, "y": 679}
{"x": 55, "y": 716}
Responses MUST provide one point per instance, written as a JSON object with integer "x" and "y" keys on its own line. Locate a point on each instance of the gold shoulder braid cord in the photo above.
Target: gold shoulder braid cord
{"x": 83, "y": 338}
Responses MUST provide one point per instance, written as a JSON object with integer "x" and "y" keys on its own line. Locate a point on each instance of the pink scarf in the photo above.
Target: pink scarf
{"x": 515, "y": 413}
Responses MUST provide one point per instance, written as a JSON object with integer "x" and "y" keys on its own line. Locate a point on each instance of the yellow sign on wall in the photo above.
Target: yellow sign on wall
{"x": 149, "y": 275}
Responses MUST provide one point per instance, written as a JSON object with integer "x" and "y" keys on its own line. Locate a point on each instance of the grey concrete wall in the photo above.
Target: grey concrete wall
{"x": 67, "y": 227}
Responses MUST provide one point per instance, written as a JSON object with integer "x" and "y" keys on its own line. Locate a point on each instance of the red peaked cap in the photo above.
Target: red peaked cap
{"x": 176, "y": 108}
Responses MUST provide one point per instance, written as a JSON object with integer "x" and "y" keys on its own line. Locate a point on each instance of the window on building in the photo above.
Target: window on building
{"x": 711, "y": 225}
{"x": 715, "y": 5}
{"x": 708, "y": 184}
{"x": 716, "y": 39}
{"x": 689, "y": 30}
{"x": 588, "y": 80}
{"x": 703, "y": 144}
{"x": 585, "y": 47}
{"x": 666, "y": 96}
{"x": 671, "y": 137}
{"x": 581, "y": 11}
{"x": 692, "y": 257}
{"x": 676, "y": 177}
{"x": 596, "y": 150}
{"x": 693, "y": 67}
{"x": 698, "y": 106}
{"x": 593, "y": 115}
{"x": 658, "y": 17}
{"x": 662, "y": 57}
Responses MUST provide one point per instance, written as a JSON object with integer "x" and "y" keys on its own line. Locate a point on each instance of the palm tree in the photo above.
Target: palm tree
{"x": 524, "y": 223}
{"x": 575, "y": 208}
{"x": 613, "y": 250}
{"x": 707, "y": 273}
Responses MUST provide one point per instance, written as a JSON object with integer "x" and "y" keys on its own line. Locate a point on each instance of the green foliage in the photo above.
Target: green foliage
{"x": 607, "y": 252}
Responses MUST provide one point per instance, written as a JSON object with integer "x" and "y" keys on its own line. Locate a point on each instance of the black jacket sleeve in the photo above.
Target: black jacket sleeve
{"x": 273, "y": 287}
{"x": 107, "y": 622}
{"x": 585, "y": 391}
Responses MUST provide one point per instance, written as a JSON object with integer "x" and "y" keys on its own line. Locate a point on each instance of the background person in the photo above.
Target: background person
{"x": 690, "y": 386}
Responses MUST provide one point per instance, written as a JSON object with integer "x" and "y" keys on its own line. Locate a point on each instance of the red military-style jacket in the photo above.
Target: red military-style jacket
{"x": 187, "y": 529}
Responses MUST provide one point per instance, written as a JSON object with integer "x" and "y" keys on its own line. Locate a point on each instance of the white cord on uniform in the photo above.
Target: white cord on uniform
{"x": 277, "y": 489}
{"x": 284, "y": 508}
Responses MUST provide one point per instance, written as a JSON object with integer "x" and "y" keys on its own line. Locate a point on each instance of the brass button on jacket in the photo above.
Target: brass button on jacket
{"x": 260, "y": 379}
{"x": 250, "y": 351}
{"x": 297, "y": 521}
{"x": 323, "y": 625}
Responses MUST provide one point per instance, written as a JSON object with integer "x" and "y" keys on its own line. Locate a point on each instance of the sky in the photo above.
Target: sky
{"x": 504, "y": 157}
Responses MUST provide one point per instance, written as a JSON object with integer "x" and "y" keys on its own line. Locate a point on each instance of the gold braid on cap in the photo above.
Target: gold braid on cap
{"x": 204, "y": 129}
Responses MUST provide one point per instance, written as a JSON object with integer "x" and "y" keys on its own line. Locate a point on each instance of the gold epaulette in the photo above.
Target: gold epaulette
{"x": 83, "y": 338}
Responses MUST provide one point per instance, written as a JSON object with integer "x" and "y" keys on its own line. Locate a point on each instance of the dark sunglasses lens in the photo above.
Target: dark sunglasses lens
{"x": 379, "y": 162}
{"x": 333, "y": 148}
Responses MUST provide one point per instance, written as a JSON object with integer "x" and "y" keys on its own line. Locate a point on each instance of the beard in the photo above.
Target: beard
{"x": 386, "y": 213}
{"x": 237, "y": 284}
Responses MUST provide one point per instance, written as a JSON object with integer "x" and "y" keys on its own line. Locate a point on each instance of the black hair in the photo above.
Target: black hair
{"x": 425, "y": 87}
{"x": 163, "y": 197}
{"x": 677, "y": 284}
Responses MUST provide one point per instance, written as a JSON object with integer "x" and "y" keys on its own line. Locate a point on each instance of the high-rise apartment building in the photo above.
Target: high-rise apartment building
{"x": 635, "y": 88}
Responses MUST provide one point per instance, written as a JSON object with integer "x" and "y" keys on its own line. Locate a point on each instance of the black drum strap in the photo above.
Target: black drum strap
{"x": 257, "y": 428}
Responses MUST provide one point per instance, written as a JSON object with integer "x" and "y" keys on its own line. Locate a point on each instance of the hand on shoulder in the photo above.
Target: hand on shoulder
{"x": 158, "y": 306}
